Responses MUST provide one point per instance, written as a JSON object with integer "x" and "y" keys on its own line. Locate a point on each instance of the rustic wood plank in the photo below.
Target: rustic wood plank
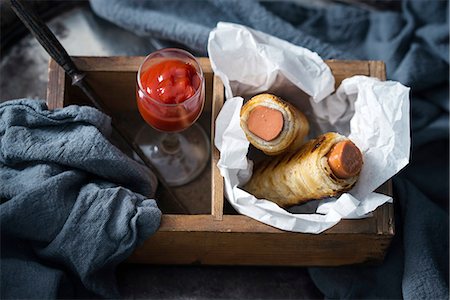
{"x": 240, "y": 223}
{"x": 283, "y": 249}
{"x": 390, "y": 220}
{"x": 342, "y": 69}
{"x": 384, "y": 215}
{"x": 377, "y": 69}
{"x": 217, "y": 180}
{"x": 131, "y": 64}
{"x": 121, "y": 63}
{"x": 232, "y": 240}
{"x": 205, "y": 64}
{"x": 348, "y": 67}
{"x": 56, "y": 85}
{"x": 108, "y": 64}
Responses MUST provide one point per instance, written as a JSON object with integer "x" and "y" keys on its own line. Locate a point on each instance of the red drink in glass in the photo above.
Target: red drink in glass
{"x": 170, "y": 98}
{"x": 170, "y": 93}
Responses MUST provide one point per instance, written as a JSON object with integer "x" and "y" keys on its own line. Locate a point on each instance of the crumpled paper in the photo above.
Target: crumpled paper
{"x": 250, "y": 62}
{"x": 374, "y": 114}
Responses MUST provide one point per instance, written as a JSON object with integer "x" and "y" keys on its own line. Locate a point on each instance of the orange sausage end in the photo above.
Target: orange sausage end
{"x": 265, "y": 122}
{"x": 345, "y": 159}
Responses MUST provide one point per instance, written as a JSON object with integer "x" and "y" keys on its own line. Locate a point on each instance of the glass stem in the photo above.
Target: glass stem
{"x": 170, "y": 143}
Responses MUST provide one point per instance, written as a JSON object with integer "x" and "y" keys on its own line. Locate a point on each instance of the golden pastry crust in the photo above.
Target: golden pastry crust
{"x": 295, "y": 125}
{"x": 297, "y": 177}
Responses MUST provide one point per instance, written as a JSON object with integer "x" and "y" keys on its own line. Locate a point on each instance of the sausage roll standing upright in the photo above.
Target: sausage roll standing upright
{"x": 273, "y": 125}
{"x": 323, "y": 167}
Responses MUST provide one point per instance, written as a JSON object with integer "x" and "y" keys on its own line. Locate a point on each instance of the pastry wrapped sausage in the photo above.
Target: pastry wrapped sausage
{"x": 326, "y": 166}
{"x": 273, "y": 125}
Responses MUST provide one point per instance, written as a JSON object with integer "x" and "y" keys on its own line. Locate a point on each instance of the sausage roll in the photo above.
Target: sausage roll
{"x": 324, "y": 167}
{"x": 273, "y": 125}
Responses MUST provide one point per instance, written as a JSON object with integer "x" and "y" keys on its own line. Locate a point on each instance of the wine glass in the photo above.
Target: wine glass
{"x": 170, "y": 98}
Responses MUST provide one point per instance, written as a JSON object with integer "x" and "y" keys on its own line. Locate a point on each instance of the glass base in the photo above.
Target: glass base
{"x": 179, "y": 157}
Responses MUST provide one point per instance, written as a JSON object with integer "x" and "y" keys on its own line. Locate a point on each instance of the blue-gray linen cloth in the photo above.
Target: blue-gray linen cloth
{"x": 414, "y": 44}
{"x": 73, "y": 206}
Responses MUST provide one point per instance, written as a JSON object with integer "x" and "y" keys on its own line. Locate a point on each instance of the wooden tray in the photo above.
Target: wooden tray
{"x": 212, "y": 233}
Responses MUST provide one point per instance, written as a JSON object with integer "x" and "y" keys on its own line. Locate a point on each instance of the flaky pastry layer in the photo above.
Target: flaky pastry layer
{"x": 296, "y": 177}
{"x": 295, "y": 125}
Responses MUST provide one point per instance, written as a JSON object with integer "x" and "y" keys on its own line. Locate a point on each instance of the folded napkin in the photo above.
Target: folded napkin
{"x": 73, "y": 206}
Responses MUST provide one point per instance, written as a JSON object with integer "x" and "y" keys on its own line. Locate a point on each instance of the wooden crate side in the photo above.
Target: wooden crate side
{"x": 201, "y": 239}
{"x": 377, "y": 69}
{"x": 217, "y": 197}
{"x": 241, "y": 223}
{"x": 56, "y": 85}
{"x": 108, "y": 63}
{"x": 283, "y": 249}
{"x": 121, "y": 63}
{"x": 343, "y": 69}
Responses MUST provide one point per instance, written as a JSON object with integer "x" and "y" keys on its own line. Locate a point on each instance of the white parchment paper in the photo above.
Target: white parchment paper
{"x": 372, "y": 113}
